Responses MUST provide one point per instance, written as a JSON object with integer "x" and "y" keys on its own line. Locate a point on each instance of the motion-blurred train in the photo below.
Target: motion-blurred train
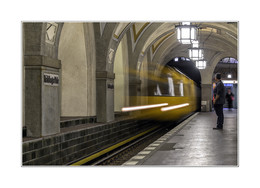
{"x": 172, "y": 96}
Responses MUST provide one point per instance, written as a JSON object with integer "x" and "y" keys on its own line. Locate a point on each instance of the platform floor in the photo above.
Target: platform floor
{"x": 194, "y": 143}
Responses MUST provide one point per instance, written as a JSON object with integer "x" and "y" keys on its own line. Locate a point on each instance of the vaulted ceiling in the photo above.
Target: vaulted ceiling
{"x": 158, "y": 40}
{"x": 214, "y": 37}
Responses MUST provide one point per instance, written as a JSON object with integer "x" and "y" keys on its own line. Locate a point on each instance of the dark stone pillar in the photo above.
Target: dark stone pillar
{"x": 134, "y": 91}
{"x": 42, "y": 95}
{"x": 235, "y": 92}
{"x": 105, "y": 96}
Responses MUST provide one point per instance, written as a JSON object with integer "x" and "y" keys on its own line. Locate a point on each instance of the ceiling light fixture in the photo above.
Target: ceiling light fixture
{"x": 186, "y": 33}
{"x": 196, "y": 53}
{"x": 201, "y": 64}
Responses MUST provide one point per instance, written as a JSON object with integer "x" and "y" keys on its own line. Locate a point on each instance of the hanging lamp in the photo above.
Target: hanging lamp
{"x": 201, "y": 64}
{"x": 186, "y": 33}
{"x": 196, "y": 53}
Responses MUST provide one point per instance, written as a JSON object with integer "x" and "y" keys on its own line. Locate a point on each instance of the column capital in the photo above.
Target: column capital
{"x": 135, "y": 81}
{"x": 105, "y": 75}
{"x": 39, "y": 60}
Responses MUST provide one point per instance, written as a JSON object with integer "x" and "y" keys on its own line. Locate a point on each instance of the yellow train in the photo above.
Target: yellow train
{"x": 172, "y": 96}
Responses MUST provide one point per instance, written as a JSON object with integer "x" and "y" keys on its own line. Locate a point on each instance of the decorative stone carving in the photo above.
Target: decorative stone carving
{"x": 51, "y": 31}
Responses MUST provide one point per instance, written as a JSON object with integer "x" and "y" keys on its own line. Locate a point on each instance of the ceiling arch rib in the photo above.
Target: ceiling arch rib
{"x": 164, "y": 50}
{"x": 206, "y": 38}
{"x": 138, "y": 28}
{"x": 157, "y": 43}
{"x": 142, "y": 39}
{"x": 161, "y": 32}
{"x": 137, "y": 31}
{"x": 222, "y": 27}
{"x": 154, "y": 45}
{"x": 121, "y": 29}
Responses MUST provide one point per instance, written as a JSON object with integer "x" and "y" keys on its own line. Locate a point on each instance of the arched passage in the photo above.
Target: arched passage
{"x": 227, "y": 67}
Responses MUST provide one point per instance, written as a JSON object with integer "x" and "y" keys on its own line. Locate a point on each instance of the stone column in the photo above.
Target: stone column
{"x": 42, "y": 95}
{"x": 134, "y": 91}
{"x": 235, "y": 92}
{"x": 206, "y": 97}
{"x": 105, "y": 96}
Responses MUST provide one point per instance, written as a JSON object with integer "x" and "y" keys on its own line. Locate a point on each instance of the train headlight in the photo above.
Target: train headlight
{"x": 174, "y": 107}
{"x": 143, "y": 107}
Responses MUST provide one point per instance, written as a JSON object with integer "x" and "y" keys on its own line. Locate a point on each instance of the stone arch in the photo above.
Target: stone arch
{"x": 219, "y": 59}
{"x": 105, "y": 76}
{"x": 223, "y": 55}
{"x": 208, "y": 73}
{"x": 76, "y": 52}
{"x": 112, "y": 47}
{"x": 116, "y": 60}
{"x": 121, "y": 70}
{"x": 146, "y": 52}
{"x": 141, "y": 41}
{"x": 134, "y": 77}
{"x": 105, "y": 53}
{"x": 114, "y": 42}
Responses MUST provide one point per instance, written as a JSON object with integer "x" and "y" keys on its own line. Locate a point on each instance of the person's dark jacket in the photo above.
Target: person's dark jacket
{"x": 219, "y": 90}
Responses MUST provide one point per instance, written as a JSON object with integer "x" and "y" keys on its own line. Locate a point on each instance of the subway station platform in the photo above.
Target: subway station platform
{"x": 194, "y": 143}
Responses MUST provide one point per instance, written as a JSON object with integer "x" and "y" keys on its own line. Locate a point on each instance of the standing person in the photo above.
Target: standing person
{"x": 219, "y": 100}
{"x": 230, "y": 98}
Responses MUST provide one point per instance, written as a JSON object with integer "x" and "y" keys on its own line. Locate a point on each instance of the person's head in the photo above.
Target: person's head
{"x": 217, "y": 76}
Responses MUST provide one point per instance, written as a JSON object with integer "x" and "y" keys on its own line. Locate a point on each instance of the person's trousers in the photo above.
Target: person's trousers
{"x": 219, "y": 111}
{"x": 230, "y": 105}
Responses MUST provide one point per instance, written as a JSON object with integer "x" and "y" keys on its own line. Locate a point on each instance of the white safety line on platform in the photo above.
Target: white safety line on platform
{"x": 154, "y": 144}
{"x": 138, "y": 157}
{"x": 131, "y": 163}
{"x": 144, "y": 152}
{"x": 149, "y": 148}
{"x": 152, "y": 147}
{"x": 158, "y": 141}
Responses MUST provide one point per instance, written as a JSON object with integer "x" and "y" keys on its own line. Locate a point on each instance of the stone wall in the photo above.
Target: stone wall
{"x": 64, "y": 148}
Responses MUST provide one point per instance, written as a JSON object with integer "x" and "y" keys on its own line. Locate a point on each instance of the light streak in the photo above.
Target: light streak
{"x": 133, "y": 108}
{"x": 174, "y": 107}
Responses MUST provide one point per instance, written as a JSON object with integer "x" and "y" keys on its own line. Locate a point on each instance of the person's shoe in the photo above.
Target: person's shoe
{"x": 217, "y": 128}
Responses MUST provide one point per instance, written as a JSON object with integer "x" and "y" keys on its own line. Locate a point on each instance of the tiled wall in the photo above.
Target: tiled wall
{"x": 65, "y": 148}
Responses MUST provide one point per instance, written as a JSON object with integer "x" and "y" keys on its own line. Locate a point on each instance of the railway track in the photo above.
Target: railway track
{"x": 127, "y": 151}
{"x": 119, "y": 153}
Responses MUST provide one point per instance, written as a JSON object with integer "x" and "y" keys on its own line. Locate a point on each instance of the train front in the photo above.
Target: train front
{"x": 171, "y": 95}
